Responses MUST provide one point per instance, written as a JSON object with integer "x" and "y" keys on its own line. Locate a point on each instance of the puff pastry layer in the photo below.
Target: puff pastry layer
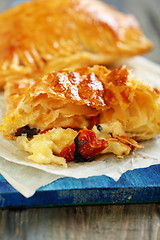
{"x": 42, "y": 36}
{"x": 113, "y": 104}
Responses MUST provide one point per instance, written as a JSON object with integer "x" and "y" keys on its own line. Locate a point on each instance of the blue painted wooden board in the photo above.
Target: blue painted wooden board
{"x": 136, "y": 186}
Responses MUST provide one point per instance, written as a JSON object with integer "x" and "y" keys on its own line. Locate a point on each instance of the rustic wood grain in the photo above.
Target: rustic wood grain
{"x": 122, "y": 222}
{"x": 110, "y": 222}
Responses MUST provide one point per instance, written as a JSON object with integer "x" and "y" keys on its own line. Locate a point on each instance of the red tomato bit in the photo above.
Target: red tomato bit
{"x": 85, "y": 147}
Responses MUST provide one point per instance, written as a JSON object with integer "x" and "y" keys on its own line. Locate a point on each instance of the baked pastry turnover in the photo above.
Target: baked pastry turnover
{"x": 41, "y": 36}
{"x": 77, "y": 114}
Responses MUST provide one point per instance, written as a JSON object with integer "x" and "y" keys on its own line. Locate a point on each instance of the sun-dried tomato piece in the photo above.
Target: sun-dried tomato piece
{"x": 85, "y": 147}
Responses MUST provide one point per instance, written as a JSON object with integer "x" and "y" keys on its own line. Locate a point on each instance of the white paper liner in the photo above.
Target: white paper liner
{"x": 27, "y": 177}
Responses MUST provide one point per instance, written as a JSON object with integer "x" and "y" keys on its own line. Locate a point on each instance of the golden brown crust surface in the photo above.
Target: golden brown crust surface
{"x": 74, "y": 99}
{"x": 95, "y": 87}
{"x": 42, "y": 36}
{"x": 15, "y": 91}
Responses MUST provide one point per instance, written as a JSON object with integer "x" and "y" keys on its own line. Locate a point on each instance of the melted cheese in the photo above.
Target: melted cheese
{"x": 44, "y": 148}
{"x": 114, "y": 128}
{"x": 114, "y": 145}
{"x": 118, "y": 148}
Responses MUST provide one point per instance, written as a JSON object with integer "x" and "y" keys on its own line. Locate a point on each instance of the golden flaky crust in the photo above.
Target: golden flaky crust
{"x": 74, "y": 99}
{"x": 16, "y": 89}
{"x": 42, "y": 36}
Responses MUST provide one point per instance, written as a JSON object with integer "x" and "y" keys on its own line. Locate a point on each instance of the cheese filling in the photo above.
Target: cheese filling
{"x": 45, "y": 148}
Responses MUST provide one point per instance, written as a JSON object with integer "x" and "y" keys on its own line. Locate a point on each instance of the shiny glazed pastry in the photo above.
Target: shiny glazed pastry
{"x": 75, "y": 115}
{"x": 42, "y": 36}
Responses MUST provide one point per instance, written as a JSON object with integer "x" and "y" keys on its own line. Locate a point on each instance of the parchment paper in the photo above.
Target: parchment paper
{"x": 27, "y": 177}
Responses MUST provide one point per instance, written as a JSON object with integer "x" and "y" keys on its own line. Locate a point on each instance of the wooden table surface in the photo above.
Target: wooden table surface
{"x": 109, "y": 222}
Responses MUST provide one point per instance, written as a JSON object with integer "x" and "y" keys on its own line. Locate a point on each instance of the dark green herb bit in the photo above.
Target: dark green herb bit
{"x": 99, "y": 127}
{"x": 30, "y": 132}
{"x": 77, "y": 155}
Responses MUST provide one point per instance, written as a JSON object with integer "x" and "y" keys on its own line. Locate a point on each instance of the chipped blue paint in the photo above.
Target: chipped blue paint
{"x": 136, "y": 186}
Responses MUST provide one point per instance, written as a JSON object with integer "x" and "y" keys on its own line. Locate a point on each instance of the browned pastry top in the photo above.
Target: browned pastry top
{"x": 42, "y": 36}
{"x": 96, "y": 87}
